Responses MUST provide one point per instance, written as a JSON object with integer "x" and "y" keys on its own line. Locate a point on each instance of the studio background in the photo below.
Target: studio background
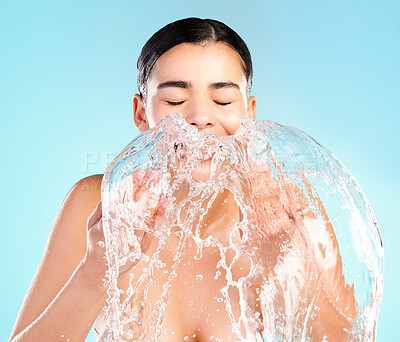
{"x": 68, "y": 74}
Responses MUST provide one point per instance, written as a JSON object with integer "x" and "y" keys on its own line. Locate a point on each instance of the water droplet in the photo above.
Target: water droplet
{"x": 199, "y": 277}
{"x": 217, "y": 274}
{"x": 186, "y": 338}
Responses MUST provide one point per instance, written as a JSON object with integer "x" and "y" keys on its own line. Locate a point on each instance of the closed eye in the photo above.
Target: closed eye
{"x": 175, "y": 103}
{"x": 180, "y": 102}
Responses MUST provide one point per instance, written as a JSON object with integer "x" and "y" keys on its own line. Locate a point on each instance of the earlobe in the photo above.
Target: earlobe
{"x": 139, "y": 114}
{"x": 251, "y": 107}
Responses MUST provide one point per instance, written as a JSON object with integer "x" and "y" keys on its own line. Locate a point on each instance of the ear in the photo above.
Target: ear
{"x": 139, "y": 114}
{"x": 251, "y": 107}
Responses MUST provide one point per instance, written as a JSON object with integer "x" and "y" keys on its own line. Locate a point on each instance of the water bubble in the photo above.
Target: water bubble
{"x": 217, "y": 274}
{"x": 199, "y": 277}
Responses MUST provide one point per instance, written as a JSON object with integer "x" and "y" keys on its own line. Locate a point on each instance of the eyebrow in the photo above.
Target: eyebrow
{"x": 187, "y": 85}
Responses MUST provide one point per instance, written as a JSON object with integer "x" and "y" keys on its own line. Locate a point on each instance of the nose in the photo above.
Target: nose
{"x": 201, "y": 116}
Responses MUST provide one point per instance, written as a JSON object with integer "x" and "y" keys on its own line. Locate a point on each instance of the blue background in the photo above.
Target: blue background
{"x": 68, "y": 73}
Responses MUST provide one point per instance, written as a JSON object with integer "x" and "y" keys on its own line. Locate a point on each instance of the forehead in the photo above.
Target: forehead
{"x": 206, "y": 61}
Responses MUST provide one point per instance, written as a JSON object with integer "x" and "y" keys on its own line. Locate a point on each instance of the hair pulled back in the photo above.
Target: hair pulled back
{"x": 190, "y": 30}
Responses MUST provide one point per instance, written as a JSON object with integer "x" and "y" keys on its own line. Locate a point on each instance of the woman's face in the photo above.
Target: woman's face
{"x": 205, "y": 82}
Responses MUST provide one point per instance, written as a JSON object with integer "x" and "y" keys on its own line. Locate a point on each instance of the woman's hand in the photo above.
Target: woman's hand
{"x": 275, "y": 207}
{"x": 275, "y": 203}
{"x": 95, "y": 258}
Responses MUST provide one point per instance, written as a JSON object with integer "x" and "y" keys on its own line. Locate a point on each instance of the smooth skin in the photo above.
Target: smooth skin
{"x": 207, "y": 85}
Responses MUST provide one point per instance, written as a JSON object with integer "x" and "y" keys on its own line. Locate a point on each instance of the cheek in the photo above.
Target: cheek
{"x": 155, "y": 113}
{"x": 233, "y": 126}
{"x": 231, "y": 122}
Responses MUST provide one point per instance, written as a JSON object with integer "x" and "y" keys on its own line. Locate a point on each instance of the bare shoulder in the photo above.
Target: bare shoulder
{"x": 77, "y": 206}
{"x": 65, "y": 248}
{"x": 84, "y": 192}
{"x": 90, "y": 186}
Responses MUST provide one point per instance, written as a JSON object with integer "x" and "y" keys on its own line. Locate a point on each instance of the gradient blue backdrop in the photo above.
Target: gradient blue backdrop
{"x": 68, "y": 73}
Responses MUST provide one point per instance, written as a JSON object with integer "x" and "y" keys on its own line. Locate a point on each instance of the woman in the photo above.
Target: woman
{"x": 203, "y": 70}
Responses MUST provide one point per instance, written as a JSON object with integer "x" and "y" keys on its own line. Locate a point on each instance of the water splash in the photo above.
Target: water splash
{"x": 299, "y": 253}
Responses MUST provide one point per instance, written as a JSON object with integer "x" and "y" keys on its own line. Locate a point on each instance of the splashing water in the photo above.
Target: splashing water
{"x": 265, "y": 237}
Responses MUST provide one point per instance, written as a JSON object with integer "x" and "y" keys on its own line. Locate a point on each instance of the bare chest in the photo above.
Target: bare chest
{"x": 197, "y": 307}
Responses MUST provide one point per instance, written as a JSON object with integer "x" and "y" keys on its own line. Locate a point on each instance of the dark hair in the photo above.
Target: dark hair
{"x": 190, "y": 30}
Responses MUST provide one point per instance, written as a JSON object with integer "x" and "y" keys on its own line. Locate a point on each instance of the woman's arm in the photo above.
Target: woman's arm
{"x": 328, "y": 302}
{"x": 71, "y": 314}
{"x": 334, "y": 305}
{"x": 326, "y": 295}
{"x": 63, "y": 299}
{"x": 67, "y": 291}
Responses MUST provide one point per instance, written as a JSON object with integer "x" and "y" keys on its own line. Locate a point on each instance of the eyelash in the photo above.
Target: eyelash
{"x": 174, "y": 103}
{"x": 179, "y": 103}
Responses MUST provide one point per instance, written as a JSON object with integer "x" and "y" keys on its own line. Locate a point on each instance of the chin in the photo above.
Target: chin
{"x": 202, "y": 171}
